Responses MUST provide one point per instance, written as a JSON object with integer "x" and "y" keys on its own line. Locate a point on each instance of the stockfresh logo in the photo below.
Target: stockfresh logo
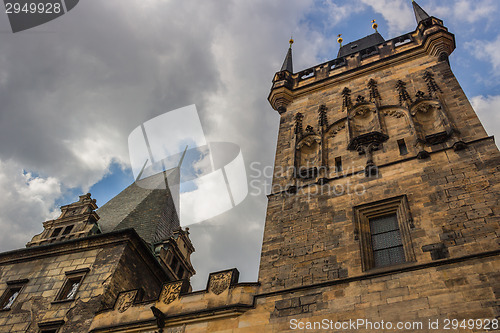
{"x": 26, "y": 14}
{"x": 205, "y": 179}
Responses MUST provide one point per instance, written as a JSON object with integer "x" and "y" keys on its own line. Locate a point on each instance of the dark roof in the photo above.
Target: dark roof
{"x": 287, "y": 64}
{"x": 148, "y": 208}
{"x": 420, "y": 14}
{"x": 361, "y": 44}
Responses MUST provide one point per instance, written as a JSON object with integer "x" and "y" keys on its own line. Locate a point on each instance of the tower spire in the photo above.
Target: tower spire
{"x": 288, "y": 64}
{"x": 420, "y": 14}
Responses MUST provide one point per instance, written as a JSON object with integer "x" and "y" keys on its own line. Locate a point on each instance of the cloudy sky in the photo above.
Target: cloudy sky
{"x": 73, "y": 89}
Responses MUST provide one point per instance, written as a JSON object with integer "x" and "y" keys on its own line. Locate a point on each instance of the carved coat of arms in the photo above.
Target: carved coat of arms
{"x": 171, "y": 292}
{"x": 220, "y": 282}
{"x": 125, "y": 300}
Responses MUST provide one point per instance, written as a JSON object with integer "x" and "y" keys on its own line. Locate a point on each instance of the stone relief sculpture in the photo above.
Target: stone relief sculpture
{"x": 220, "y": 282}
{"x": 125, "y": 300}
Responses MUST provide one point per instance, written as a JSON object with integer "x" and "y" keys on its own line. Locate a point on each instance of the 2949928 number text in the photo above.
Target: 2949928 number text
{"x": 32, "y": 8}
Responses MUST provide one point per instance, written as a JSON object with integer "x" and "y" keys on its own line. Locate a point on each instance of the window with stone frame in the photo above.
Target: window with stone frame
{"x": 71, "y": 285}
{"x": 50, "y": 326}
{"x": 383, "y": 231}
{"x": 11, "y": 294}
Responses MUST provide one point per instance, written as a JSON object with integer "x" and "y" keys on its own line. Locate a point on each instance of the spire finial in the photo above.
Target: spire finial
{"x": 420, "y": 14}
{"x": 340, "y": 39}
{"x": 288, "y": 64}
{"x": 374, "y": 25}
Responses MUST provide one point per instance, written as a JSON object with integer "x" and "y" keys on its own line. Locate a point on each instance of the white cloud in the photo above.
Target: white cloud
{"x": 27, "y": 201}
{"x": 397, "y": 13}
{"x": 488, "y": 111}
{"x": 487, "y": 50}
{"x": 465, "y": 11}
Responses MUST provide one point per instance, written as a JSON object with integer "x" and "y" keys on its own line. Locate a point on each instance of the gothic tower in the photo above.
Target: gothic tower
{"x": 383, "y": 169}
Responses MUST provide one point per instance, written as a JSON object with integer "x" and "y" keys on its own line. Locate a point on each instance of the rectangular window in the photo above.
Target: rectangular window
{"x": 11, "y": 294}
{"x": 9, "y": 297}
{"x": 71, "y": 285}
{"x": 383, "y": 230}
{"x": 338, "y": 164}
{"x": 50, "y": 326}
{"x": 386, "y": 241}
{"x": 67, "y": 230}
{"x": 180, "y": 272}
{"x": 403, "y": 150}
{"x": 56, "y": 232}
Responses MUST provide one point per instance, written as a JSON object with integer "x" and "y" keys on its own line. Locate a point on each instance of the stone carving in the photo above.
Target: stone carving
{"x": 363, "y": 112}
{"x": 309, "y": 129}
{"x": 394, "y": 113}
{"x": 308, "y": 141}
{"x": 171, "y": 292}
{"x": 125, "y": 300}
{"x": 346, "y": 99}
{"x": 374, "y": 94}
{"x": 403, "y": 93}
{"x": 420, "y": 94}
{"x": 298, "y": 123}
{"x": 360, "y": 99}
{"x": 432, "y": 125}
{"x": 370, "y": 168}
{"x": 335, "y": 129}
{"x": 323, "y": 120}
{"x": 431, "y": 83}
{"x": 423, "y": 108}
{"x": 220, "y": 282}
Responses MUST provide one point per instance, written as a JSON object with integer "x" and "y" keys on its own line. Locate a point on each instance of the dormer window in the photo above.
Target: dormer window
{"x": 56, "y": 232}
{"x": 67, "y": 230}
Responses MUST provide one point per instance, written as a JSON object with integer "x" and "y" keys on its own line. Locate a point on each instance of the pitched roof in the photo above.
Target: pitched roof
{"x": 361, "y": 44}
{"x": 287, "y": 63}
{"x": 420, "y": 14}
{"x": 146, "y": 206}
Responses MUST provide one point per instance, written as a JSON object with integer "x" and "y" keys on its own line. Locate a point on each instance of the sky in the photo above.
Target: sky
{"x": 73, "y": 89}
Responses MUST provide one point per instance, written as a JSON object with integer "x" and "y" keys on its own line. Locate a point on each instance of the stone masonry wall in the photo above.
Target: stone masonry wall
{"x": 453, "y": 196}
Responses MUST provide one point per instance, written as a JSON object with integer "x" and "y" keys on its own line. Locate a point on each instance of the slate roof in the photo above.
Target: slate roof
{"x": 361, "y": 44}
{"x": 287, "y": 63}
{"x": 148, "y": 208}
{"x": 420, "y": 14}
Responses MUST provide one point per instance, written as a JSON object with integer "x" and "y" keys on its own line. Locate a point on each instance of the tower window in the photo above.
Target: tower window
{"x": 383, "y": 231}
{"x": 386, "y": 241}
{"x": 180, "y": 273}
{"x": 56, "y": 232}
{"x": 403, "y": 150}
{"x": 338, "y": 164}
{"x": 67, "y": 230}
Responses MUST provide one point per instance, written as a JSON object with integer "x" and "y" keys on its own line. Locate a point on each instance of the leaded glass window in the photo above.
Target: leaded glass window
{"x": 386, "y": 241}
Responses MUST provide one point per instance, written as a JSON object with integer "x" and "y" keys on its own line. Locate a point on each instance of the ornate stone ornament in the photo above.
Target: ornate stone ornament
{"x": 220, "y": 282}
{"x": 171, "y": 292}
{"x": 125, "y": 300}
{"x": 424, "y": 108}
{"x": 362, "y": 112}
{"x": 309, "y": 141}
{"x": 336, "y": 128}
{"x": 394, "y": 113}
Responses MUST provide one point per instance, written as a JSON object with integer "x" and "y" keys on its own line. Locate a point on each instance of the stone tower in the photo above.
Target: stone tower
{"x": 383, "y": 168}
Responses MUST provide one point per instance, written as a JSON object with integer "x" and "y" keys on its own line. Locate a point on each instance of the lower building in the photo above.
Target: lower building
{"x": 383, "y": 216}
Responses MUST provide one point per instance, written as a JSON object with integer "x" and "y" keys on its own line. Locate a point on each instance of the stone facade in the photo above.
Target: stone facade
{"x": 110, "y": 263}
